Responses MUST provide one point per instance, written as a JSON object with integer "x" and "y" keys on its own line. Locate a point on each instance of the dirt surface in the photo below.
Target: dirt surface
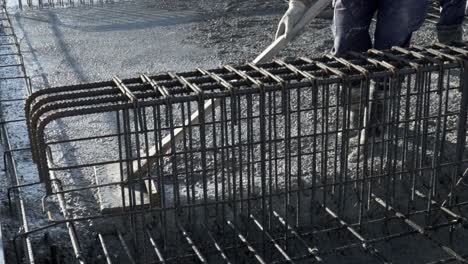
{"x": 85, "y": 44}
{"x": 95, "y": 42}
{"x": 241, "y": 35}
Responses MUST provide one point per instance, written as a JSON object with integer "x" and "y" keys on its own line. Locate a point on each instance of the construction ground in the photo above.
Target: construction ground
{"x": 93, "y": 42}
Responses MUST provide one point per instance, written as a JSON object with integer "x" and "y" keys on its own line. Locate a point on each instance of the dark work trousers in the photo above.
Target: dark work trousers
{"x": 449, "y": 26}
{"x": 396, "y": 22}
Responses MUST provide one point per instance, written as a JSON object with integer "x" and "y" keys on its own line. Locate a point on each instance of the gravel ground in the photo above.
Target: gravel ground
{"x": 67, "y": 46}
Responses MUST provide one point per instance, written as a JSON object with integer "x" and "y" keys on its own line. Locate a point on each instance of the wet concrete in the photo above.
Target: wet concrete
{"x": 91, "y": 43}
{"x": 65, "y": 46}
{"x": 76, "y": 45}
{"x": 86, "y": 44}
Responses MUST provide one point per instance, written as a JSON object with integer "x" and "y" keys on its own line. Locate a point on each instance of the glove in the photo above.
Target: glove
{"x": 295, "y": 12}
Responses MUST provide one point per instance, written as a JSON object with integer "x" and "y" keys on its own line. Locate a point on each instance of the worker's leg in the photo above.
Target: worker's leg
{"x": 351, "y": 25}
{"x": 396, "y": 22}
{"x": 449, "y": 27}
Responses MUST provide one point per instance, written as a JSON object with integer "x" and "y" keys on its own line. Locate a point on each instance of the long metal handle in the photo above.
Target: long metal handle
{"x": 281, "y": 42}
{"x": 273, "y": 49}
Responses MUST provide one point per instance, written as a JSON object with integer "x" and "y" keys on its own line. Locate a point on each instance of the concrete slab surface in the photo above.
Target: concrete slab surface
{"x": 93, "y": 43}
{"x": 75, "y": 45}
{"x": 110, "y": 197}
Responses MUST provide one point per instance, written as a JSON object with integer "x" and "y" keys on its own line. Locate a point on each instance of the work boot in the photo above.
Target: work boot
{"x": 355, "y": 121}
{"x": 373, "y": 127}
{"x": 448, "y": 34}
{"x": 353, "y": 105}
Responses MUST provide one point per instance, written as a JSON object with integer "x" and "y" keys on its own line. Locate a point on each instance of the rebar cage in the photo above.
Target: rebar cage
{"x": 261, "y": 164}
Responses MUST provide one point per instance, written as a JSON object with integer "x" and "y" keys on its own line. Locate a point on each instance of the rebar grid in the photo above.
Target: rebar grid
{"x": 12, "y": 72}
{"x": 257, "y": 163}
{"x": 44, "y": 4}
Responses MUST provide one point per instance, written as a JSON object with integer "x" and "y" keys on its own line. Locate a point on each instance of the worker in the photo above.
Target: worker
{"x": 449, "y": 27}
{"x": 396, "y": 22}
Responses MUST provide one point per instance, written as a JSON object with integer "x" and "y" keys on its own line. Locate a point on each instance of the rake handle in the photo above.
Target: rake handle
{"x": 281, "y": 42}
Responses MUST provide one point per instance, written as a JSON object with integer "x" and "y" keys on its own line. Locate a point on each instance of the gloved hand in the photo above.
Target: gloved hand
{"x": 296, "y": 10}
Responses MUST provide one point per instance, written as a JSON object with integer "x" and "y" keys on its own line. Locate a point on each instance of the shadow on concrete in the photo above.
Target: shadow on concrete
{"x": 128, "y": 15}
{"x": 114, "y": 17}
{"x": 79, "y": 177}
